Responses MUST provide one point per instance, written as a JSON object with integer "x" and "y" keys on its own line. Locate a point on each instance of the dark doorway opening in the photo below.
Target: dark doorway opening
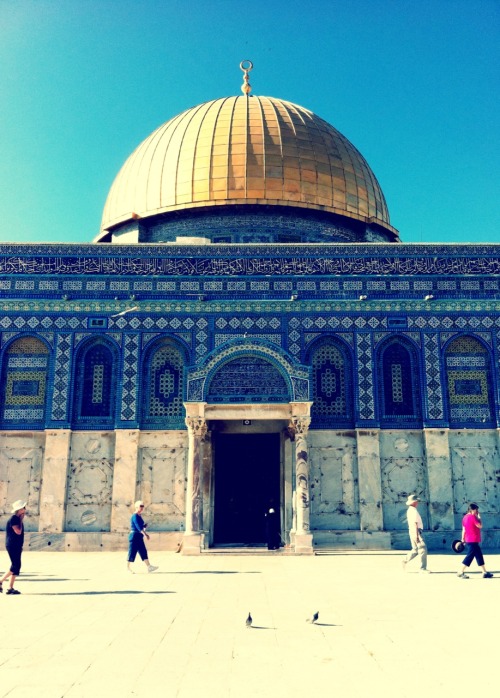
{"x": 247, "y": 483}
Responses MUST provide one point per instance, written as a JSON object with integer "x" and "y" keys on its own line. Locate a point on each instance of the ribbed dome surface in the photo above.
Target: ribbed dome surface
{"x": 245, "y": 150}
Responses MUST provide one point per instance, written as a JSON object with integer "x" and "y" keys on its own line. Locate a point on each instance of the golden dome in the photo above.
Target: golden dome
{"x": 245, "y": 150}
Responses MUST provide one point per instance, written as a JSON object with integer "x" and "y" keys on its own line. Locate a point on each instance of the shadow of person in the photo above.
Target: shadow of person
{"x": 98, "y": 593}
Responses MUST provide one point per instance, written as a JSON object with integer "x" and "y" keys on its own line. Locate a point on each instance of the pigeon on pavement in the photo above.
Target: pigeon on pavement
{"x": 249, "y": 620}
{"x": 313, "y": 618}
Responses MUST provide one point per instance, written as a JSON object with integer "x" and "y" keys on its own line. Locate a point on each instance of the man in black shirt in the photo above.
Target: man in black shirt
{"x": 14, "y": 539}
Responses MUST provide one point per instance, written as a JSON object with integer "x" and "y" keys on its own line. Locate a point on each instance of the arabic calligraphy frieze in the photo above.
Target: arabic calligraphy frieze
{"x": 250, "y": 266}
{"x": 250, "y": 250}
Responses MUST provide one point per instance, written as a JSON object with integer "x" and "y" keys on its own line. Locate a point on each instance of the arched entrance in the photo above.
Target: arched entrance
{"x": 250, "y": 471}
{"x": 246, "y": 482}
{"x": 233, "y": 472}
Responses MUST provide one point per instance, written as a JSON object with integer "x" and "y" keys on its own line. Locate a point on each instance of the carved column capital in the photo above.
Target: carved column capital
{"x": 197, "y": 426}
{"x": 299, "y": 425}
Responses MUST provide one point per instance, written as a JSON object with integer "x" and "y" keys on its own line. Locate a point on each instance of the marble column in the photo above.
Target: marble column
{"x": 440, "y": 480}
{"x": 370, "y": 482}
{"x": 303, "y": 535}
{"x": 193, "y": 537}
{"x": 54, "y": 480}
{"x": 206, "y": 486}
{"x": 124, "y": 478}
{"x": 289, "y": 523}
{"x": 498, "y": 440}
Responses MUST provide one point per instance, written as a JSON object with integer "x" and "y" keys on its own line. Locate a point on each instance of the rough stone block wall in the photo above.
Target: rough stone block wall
{"x": 161, "y": 478}
{"x": 333, "y": 480}
{"x": 476, "y": 474}
{"x": 21, "y": 460}
{"x": 90, "y": 481}
{"x": 403, "y": 471}
{"x": 447, "y": 469}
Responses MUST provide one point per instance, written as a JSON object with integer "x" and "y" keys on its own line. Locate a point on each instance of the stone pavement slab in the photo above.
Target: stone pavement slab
{"x": 84, "y": 627}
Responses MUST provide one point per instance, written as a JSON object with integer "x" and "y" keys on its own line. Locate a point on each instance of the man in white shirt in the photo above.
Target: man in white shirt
{"x": 415, "y": 529}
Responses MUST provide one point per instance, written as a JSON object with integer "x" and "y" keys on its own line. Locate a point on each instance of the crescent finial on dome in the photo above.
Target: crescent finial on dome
{"x": 246, "y": 66}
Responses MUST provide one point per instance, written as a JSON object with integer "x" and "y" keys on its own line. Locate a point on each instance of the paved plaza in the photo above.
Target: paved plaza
{"x": 84, "y": 627}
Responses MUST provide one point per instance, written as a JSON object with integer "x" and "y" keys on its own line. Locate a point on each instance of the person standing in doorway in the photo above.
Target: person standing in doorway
{"x": 415, "y": 530}
{"x": 14, "y": 541}
{"x": 273, "y": 529}
{"x": 471, "y": 536}
{"x": 136, "y": 538}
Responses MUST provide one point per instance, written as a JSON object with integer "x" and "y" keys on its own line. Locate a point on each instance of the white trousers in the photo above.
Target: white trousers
{"x": 419, "y": 549}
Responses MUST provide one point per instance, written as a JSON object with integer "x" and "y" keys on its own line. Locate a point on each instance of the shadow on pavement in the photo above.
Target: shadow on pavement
{"x": 358, "y": 553}
{"x": 211, "y": 572}
{"x": 262, "y": 627}
{"x": 97, "y": 593}
{"x": 52, "y": 579}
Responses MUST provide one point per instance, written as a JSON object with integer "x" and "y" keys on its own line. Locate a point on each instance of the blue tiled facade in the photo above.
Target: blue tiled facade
{"x": 420, "y": 349}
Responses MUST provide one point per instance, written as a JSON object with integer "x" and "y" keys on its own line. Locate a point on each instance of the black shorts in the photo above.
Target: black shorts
{"x": 15, "y": 559}
{"x": 473, "y": 551}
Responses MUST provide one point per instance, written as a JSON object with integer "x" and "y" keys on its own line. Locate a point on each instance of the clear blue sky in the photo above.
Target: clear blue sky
{"x": 413, "y": 84}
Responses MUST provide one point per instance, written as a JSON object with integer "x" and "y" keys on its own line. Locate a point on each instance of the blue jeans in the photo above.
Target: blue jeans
{"x": 136, "y": 545}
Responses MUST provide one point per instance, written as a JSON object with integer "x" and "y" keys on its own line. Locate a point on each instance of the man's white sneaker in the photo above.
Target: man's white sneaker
{"x": 152, "y": 568}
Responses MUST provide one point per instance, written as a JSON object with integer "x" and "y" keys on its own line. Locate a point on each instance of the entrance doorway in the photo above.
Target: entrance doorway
{"x": 247, "y": 483}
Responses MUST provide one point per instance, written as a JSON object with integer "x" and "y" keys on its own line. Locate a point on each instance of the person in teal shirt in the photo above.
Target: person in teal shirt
{"x": 136, "y": 538}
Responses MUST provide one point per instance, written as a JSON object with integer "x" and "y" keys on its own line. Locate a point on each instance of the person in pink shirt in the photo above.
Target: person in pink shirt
{"x": 471, "y": 535}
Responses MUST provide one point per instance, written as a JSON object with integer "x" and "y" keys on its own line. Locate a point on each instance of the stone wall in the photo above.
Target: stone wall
{"x": 161, "y": 478}
{"x": 403, "y": 471}
{"x": 80, "y": 486}
{"x": 447, "y": 469}
{"x": 90, "y": 481}
{"x": 476, "y": 474}
{"x": 334, "y": 480}
{"x": 21, "y": 462}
